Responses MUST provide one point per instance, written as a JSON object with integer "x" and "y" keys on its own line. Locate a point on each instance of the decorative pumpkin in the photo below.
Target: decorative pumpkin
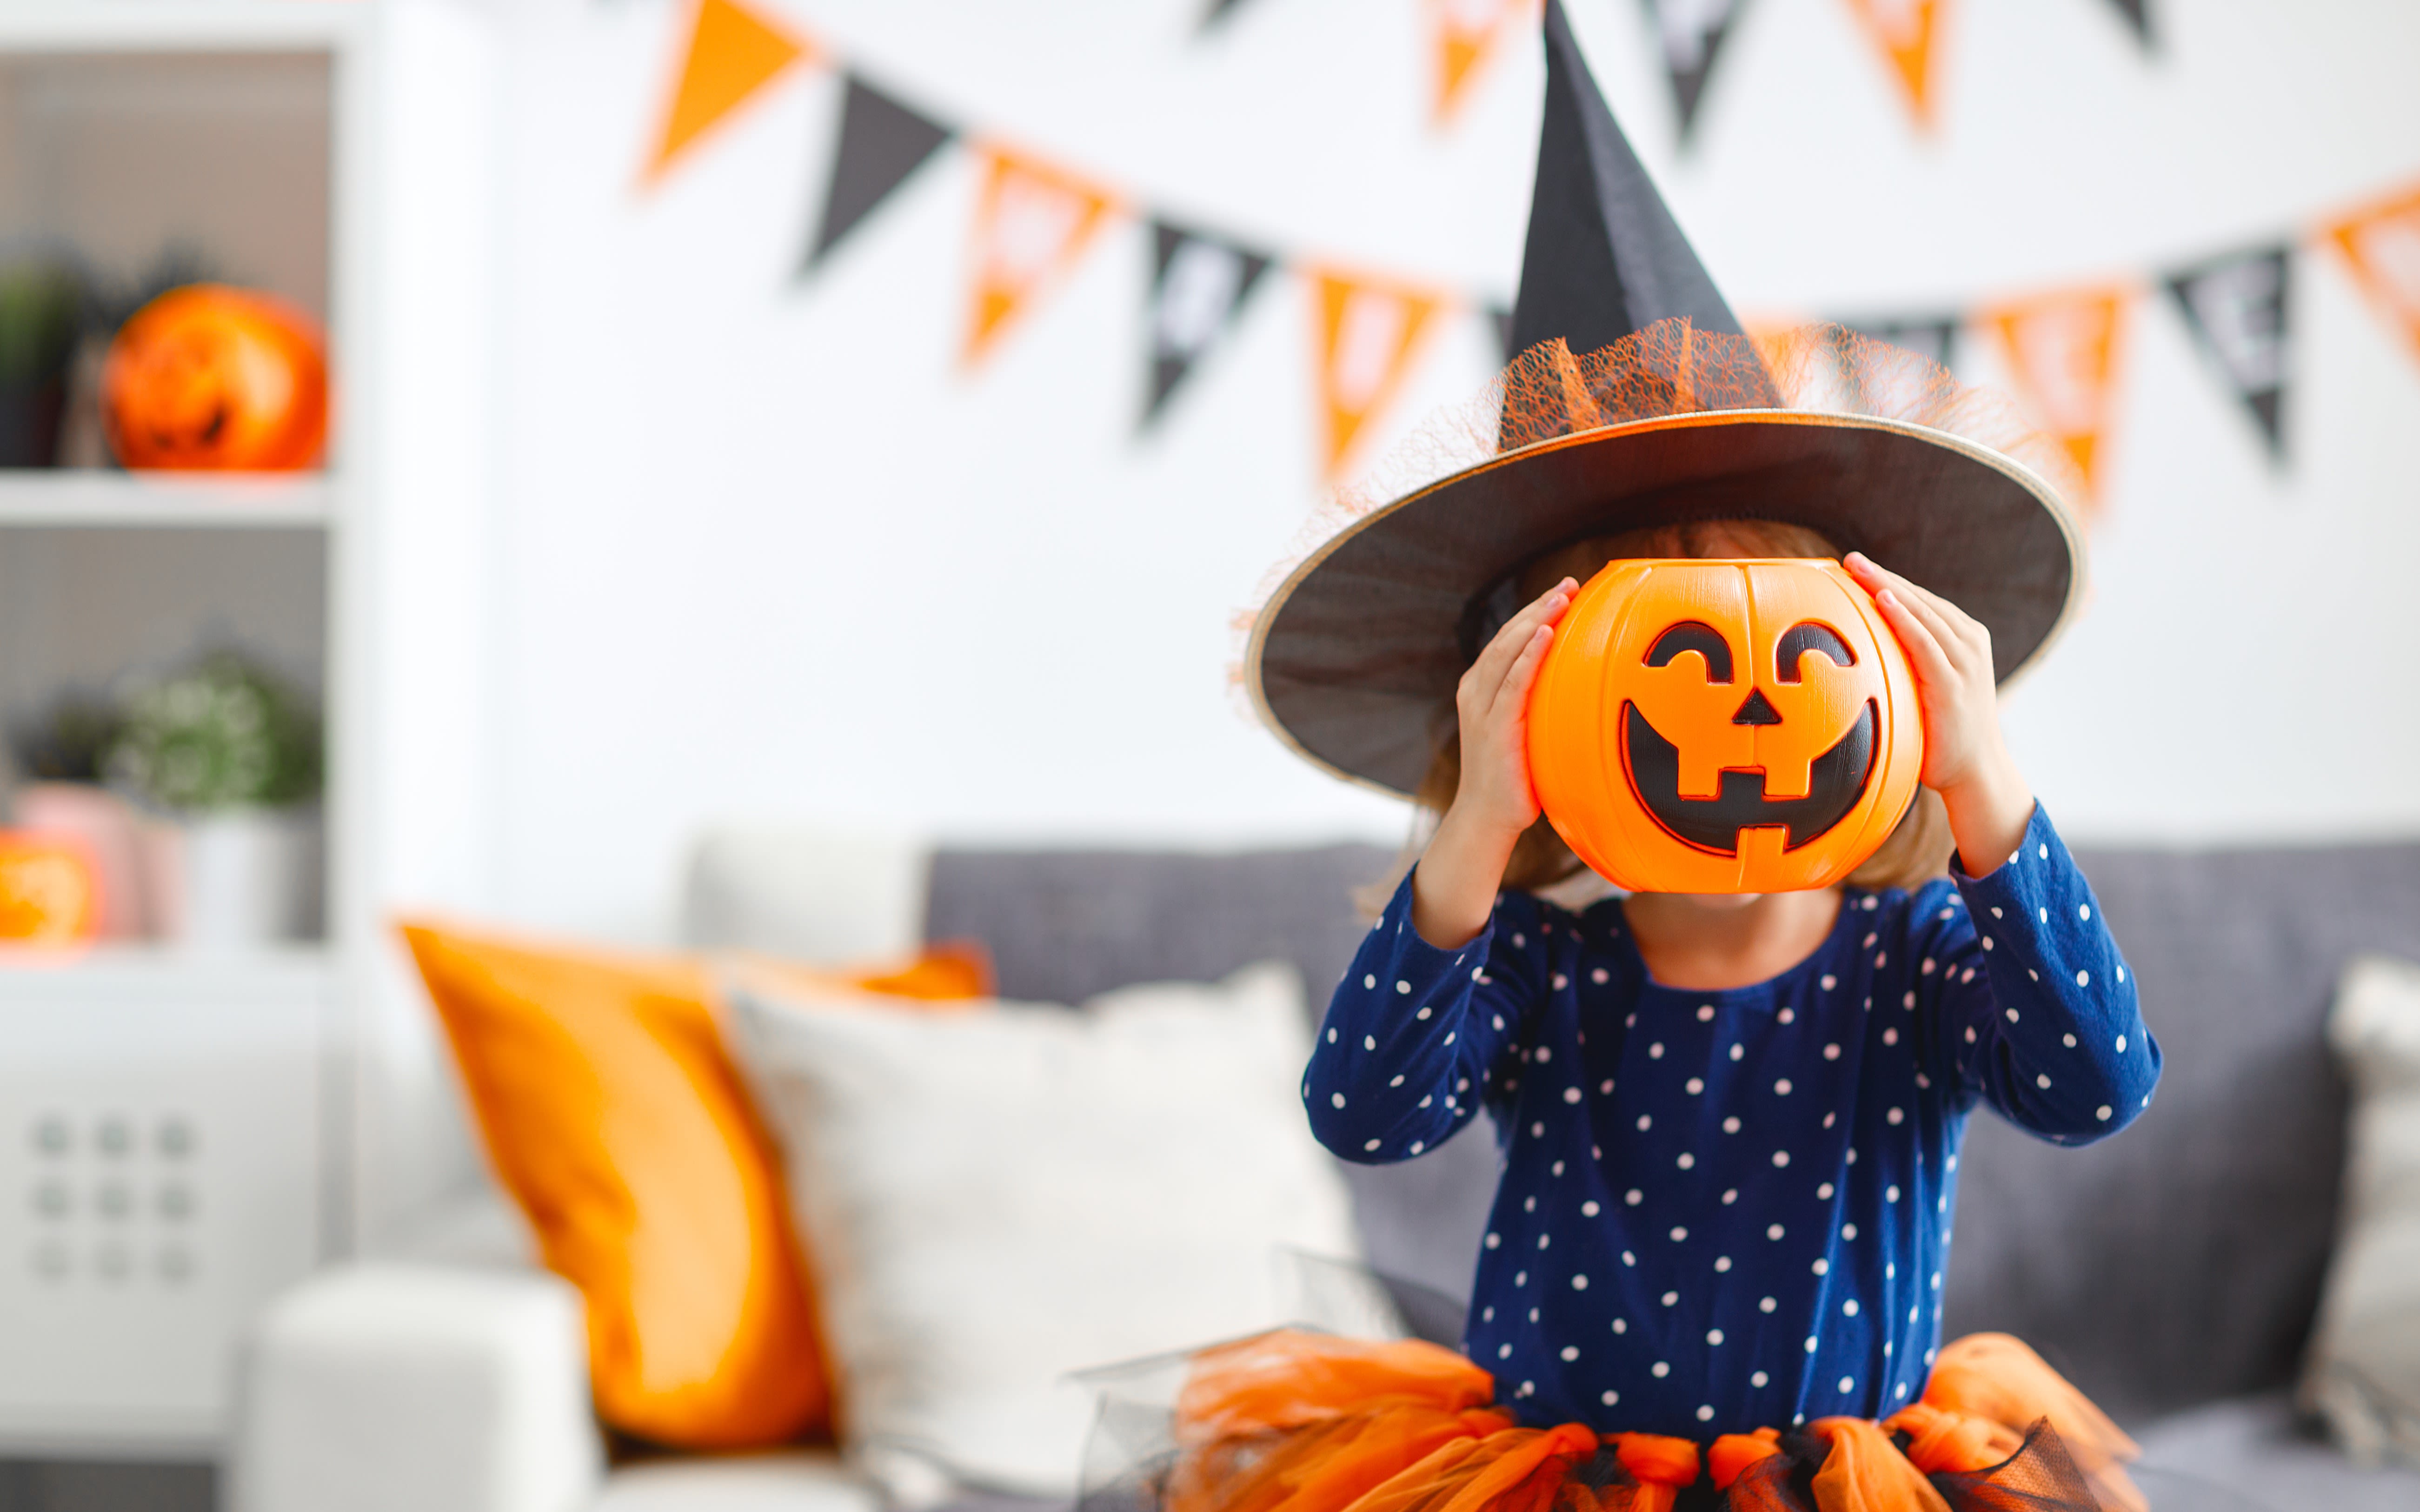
{"x": 48, "y": 893}
{"x": 1707, "y": 726}
{"x": 212, "y": 378}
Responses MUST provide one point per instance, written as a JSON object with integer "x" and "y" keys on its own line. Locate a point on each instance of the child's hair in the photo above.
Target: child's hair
{"x": 1916, "y": 851}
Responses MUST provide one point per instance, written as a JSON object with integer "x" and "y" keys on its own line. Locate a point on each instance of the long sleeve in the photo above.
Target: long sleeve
{"x": 2031, "y": 1009}
{"x": 1416, "y": 1036}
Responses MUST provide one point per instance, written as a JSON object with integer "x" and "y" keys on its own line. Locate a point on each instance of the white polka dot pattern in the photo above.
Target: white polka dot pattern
{"x": 1755, "y": 1165}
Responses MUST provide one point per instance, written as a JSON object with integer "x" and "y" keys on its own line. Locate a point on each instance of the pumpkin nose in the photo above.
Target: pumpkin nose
{"x": 1756, "y": 710}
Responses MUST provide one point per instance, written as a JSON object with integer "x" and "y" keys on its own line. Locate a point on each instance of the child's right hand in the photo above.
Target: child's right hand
{"x": 1453, "y": 892}
{"x": 1493, "y": 704}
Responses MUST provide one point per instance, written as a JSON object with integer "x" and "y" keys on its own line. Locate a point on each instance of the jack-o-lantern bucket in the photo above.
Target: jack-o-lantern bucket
{"x": 212, "y": 378}
{"x": 48, "y": 892}
{"x": 1724, "y": 726}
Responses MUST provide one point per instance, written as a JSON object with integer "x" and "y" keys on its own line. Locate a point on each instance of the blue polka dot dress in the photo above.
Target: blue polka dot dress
{"x": 1721, "y": 1211}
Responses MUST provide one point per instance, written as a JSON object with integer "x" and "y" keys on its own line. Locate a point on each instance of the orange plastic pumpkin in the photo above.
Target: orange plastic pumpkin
{"x": 48, "y": 894}
{"x": 1724, "y": 726}
{"x": 212, "y": 378}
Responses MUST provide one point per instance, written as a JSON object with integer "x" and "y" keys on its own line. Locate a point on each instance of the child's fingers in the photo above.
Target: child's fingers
{"x": 1953, "y": 646}
{"x": 1932, "y": 664}
{"x": 1958, "y": 630}
{"x": 1514, "y": 702}
{"x": 1496, "y": 659}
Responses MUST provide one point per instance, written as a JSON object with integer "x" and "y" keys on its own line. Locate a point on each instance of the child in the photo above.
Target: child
{"x": 1729, "y": 1125}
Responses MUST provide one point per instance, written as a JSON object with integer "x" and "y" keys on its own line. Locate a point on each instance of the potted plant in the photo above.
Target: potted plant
{"x": 41, "y": 303}
{"x": 229, "y": 751}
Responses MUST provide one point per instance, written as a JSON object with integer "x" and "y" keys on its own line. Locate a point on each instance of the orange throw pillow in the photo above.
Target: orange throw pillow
{"x": 617, "y": 1121}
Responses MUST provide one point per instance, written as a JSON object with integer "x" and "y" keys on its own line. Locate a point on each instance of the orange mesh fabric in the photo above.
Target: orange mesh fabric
{"x": 2001, "y": 1380}
{"x": 1733, "y": 1452}
{"x": 1300, "y": 1422}
{"x": 2038, "y": 1478}
{"x": 1290, "y": 1378}
{"x": 1866, "y": 1473}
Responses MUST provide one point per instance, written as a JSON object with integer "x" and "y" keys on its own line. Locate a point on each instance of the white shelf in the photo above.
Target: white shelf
{"x": 186, "y": 500}
{"x": 176, "y": 25}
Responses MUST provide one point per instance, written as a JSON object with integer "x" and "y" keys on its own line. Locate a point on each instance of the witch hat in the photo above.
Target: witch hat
{"x": 1637, "y": 401}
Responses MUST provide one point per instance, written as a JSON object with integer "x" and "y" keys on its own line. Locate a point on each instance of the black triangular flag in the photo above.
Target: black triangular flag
{"x": 1197, "y": 283}
{"x": 2138, "y": 15}
{"x": 1934, "y": 338}
{"x": 2237, "y": 306}
{"x": 1689, "y": 35}
{"x": 881, "y": 143}
{"x": 1604, "y": 257}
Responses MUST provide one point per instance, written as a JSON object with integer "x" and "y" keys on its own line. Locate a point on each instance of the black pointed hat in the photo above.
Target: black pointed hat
{"x": 1637, "y": 401}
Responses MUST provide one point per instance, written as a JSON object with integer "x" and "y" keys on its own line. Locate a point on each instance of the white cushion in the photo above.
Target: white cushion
{"x": 801, "y": 1481}
{"x": 993, "y": 1199}
{"x": 2364, "y": 1373}
{"x": 404, "y": 1388}
{"x": 808, "y": 892}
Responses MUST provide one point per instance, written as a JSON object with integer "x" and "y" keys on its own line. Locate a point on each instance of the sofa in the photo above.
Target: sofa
{"x": 2173, "y": 1271}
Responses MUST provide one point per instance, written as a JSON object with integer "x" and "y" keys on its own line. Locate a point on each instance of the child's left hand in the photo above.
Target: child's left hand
{"x": 1965, "y": 760}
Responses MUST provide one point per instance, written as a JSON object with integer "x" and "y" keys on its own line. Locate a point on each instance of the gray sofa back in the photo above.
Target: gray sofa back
{"x": 2177, "y": 1263}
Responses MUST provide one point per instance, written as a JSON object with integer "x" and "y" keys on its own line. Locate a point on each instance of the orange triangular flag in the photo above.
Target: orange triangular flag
{"x": 2062, "y": 352}
{"x": 1364, "y": 338}
{"x": 1464, "y": 32}
{"x": 2382, "y": 244}
{"x": 1905, "y": 30}
{"x": 1032, "y": 222}
{"x": 733, "y": 52}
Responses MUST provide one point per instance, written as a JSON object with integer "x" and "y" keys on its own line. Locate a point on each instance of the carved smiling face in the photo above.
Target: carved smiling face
{"x": 1724, "y": 726}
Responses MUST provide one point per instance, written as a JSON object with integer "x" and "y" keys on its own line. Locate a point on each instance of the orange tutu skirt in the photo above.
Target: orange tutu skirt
{"x": 1300, "y": 1422}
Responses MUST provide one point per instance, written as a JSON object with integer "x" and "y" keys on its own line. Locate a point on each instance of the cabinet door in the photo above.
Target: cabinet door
{"x": 160, "y": 1128}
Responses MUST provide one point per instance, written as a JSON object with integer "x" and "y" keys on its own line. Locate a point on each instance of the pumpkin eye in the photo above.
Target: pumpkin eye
{"x": 1797, "y": 642}
{"x": 1703, "y": 639}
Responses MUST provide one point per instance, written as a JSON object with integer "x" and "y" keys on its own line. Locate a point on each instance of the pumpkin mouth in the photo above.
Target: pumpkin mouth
{"x": 1834, "y": 780}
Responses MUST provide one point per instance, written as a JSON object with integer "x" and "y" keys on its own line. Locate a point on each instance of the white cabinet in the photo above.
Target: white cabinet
{"x": 160, "y": 1174}
{"x": 182, "y": 1136}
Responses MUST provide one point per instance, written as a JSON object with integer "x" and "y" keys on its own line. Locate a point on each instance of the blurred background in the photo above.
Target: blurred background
{"x": 459, "y": 453}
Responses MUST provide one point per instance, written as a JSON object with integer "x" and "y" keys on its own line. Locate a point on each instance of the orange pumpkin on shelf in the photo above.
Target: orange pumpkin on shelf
{"x": 1710, "y": 726}
{"x": 216, "y": 379}
{"x": 48, "y": 892}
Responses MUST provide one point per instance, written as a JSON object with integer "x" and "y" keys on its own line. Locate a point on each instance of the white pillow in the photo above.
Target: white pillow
{"x": 2363, "y": 1374}
{"x": 993, "y": 1199}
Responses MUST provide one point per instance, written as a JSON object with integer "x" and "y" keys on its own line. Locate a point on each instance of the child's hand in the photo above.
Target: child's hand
{"x": 1454, "y": 892}
{"x": 1965, "y": 760}
{"x": 1493, "y": 704}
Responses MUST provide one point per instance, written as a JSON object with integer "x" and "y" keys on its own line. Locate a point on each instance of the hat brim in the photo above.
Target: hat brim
{"x": 1354, "y": 660}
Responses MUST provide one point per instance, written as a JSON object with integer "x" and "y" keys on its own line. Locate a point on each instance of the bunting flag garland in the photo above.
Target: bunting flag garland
{"x": 2237, "y": 307}
{"x": 2382, "y": 244}
{"x": 1366, "y": 331}
{"x": 1032, "y": 222}
{"x": 1689, "y": 35}
{"x": 881, "y": 143}
{"x": 732, "y": 53}
{"x": 1199, "y": 283}
{"x": 1466, "y": 32}
{"x": 1929, "y": 336}
{"x": 1905, "y": 31}
{"x": 2062, "y": 351}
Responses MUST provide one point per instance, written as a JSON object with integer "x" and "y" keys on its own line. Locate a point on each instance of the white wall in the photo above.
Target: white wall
{"x": 767, "y": 553}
